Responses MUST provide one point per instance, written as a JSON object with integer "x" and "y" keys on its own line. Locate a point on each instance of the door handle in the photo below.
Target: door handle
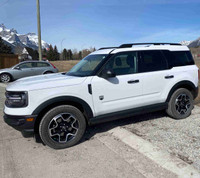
{"x": 133, "y": 81}
{"x": 169, "y": 76}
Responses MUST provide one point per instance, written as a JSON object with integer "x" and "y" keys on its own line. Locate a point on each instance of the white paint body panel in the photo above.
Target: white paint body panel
{"x": 118, "y": 95}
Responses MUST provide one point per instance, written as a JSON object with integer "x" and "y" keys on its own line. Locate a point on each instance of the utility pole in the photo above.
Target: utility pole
{"x": 39, "y": 30}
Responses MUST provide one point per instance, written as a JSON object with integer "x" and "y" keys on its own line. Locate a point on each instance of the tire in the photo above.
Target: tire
{"x": 62, "y": 132}
{"x": 178, "y": 107}
{"x": 5, "y": 78}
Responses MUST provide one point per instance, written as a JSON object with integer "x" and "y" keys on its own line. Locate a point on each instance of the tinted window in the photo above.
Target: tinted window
{"x": 123, "y": 63}
{"x": 152, "y": 61}
{"x": 42, "y": 64}
{"x": 25, "y": 65}
{"x": 178, "y": 58}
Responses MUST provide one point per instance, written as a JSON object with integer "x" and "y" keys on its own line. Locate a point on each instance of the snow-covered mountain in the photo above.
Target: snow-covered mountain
{"x": 185, "y": 43}
{"x": 14, "y": 39}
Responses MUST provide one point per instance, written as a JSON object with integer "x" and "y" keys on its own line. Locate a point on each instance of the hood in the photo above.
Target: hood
{"x": 44, "y": 81}
{"x": 6, "y": 70}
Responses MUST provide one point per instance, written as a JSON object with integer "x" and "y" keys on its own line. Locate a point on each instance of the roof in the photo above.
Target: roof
{"x": 142, "y": 46}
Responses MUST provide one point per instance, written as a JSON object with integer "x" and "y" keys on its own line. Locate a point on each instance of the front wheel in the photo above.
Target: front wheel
{"x": 62, "y": 127}
{"x": 180, "y": 104}
{"x": 5, "y": 78}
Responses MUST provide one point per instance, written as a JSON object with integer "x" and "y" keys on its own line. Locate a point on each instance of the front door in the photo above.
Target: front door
{"x": 121, "y": 92}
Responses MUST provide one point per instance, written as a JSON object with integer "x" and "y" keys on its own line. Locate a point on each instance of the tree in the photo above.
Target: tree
{"x": 80, "y": 55}
{"x": 5, "y": 48}
{"x": 44, "y": 53}
{"x": 70, "y": 54}
{"x": 56, "y": 53}
{"x": 50, "y": 53}
{"x": 64, "y": 54}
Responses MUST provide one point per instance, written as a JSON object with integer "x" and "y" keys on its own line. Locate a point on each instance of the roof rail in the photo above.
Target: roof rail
{"x": 107, "y": 48}
{"x": 132, "y": 44}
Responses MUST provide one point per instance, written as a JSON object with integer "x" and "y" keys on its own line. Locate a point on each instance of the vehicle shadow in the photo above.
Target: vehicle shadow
{"x": 104, "y": 127}
{"x": 91, "y": 131}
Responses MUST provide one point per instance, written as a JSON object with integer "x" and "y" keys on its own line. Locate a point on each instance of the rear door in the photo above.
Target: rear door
{"x": 156, "y": 75}
{"x": 41, "y": 67}
{"x": 121, "y": 92}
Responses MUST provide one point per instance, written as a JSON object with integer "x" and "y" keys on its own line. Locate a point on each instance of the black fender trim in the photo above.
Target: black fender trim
{"x": 61, "y": 99}
{"x": 184, "y": 84}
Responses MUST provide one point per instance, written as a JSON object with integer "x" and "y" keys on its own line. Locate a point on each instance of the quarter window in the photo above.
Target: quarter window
{"x": 42, "y": 64}
{"x": 151, "y": 61}
{"x": 123, "y": 63}
{"x": 178, "y": 58}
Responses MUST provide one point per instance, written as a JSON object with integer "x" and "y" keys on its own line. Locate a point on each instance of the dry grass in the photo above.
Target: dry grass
{"x": 197, "y": 100}
{"x": 64, "y": 66}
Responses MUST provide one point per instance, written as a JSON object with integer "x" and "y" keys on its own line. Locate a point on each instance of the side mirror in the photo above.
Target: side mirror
{"x": 18, "y": 68}
{"x": 107, "y": 73}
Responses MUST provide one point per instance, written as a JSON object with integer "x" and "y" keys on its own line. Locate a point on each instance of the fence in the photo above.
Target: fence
{"x": 8, "y": 60}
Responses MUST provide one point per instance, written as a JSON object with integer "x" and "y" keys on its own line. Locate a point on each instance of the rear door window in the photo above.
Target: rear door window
{"x": 152, "y": 60}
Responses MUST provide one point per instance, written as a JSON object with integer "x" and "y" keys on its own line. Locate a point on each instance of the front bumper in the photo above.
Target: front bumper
{"x": 21, "y": 123}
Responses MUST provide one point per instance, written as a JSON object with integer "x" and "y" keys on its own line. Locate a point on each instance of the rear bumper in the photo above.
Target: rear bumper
{"x": 20, "y": 122}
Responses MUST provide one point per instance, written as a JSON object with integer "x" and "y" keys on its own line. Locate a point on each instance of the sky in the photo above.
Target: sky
{"x": 98, "y": 23}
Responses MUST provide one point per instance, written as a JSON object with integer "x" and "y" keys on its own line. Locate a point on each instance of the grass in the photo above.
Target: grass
{"x": 64, "y": 66}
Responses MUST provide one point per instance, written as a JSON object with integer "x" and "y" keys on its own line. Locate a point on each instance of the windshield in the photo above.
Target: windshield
{"x": 87, "y": 65}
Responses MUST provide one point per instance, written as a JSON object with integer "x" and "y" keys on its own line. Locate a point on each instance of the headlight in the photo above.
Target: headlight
{"x": 16, "y": 99}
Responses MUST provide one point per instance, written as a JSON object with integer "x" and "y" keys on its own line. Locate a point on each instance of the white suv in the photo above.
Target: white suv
{"x": 108, "y": 84}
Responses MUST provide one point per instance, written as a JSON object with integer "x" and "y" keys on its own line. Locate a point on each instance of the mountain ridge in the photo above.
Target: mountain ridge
{"x": 12, "y": 38}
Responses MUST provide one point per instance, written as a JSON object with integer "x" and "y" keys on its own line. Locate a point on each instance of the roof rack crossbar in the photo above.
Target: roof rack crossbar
{"x": 132, "y": 44}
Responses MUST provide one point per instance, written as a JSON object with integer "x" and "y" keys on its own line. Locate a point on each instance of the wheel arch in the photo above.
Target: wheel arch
{"x": 12, "y": 78}
{"x": 62, "y": 100}
{"x": 183, "y": 84}
{"x": 48, "y": 71}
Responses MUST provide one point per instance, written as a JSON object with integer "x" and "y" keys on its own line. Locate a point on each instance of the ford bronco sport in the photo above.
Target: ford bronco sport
{"x": 108, "y": 84}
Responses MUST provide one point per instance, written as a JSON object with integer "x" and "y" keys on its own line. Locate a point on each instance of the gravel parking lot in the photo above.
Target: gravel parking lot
{"x": 179, "y": 137}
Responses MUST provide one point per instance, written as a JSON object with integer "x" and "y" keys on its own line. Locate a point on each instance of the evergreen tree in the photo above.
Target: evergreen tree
{"x": 5, "y": 48}
{"x": 50, "y": 53}
{"x": 55, "y": 53}
{"x": 64, "y": 54}
{"x": 70, "y": 54}
{"x": 44, "y": 53}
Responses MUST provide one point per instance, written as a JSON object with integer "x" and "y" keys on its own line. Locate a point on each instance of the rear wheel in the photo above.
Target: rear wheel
{"x": 5, "y": 78}
{"x": 62, "y": 127}
{"x": 180, "y": 104}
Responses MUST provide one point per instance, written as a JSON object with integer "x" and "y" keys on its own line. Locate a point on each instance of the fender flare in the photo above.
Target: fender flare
{"x": 63, "y": 99}
{"x": 183, "y": 84}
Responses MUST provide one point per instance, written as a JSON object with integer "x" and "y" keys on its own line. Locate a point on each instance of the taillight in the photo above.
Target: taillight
{"x": 53, "y": 66}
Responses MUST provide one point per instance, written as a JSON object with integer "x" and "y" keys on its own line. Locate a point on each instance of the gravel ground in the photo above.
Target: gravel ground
{"x": 178, "y": 137}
